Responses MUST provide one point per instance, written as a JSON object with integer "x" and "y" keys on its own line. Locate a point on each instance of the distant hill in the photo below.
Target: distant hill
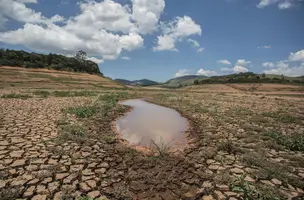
{"x": 183, "y": 81}
{"x": 250, "y": 77}
{"x": 142, "y": 82}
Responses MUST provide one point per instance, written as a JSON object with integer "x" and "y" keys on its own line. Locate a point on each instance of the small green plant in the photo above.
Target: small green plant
{"x": 84, "y": 93}
{"x": 229, "y": 147}
{"x": 74, "y": 93}
{"x": 245, "y": 188}
{"x": 16, "y": 96}
{"x": 109, "y": 139}
{"x": 282, "y": 117}
{"x": 83, "y": 111}
{"x": 42, "y": 93}
{"x": 71, "y": 132}
{"x": 293, "y": 142}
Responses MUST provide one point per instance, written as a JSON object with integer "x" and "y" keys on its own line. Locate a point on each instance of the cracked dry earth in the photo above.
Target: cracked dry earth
{"x": 33, "y": 166}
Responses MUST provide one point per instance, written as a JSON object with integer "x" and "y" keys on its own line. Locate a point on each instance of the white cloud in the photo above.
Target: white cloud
{"x": 225, "y": 62}
{"x": 242, "y": 62}
{"x": 176, "y": 30}
{"x": 226, "y": 69}
{"x": 298, "y": 56}
{"x": 206, "y": 72}
{"x": 289, "y": 67}
{"x": 146, "y": 14}
{"x": 282, "y": 4}
{"x": 239, "y": 69}
{"x": 107, "y": 15}
{"x": 165, "y": 42}
{"x": 58, "y": 39}
{"x": 96, "y": 60}
{"x": 16, "y": 10}
{"x": 194, "y": 43}
{"x": 181, "y": 72}
{"x": 264, "y": 47}
{"x": 200, "y": 50}
{"x": 268, "y": 64}
{"x": 287, "y": 71}
{"x": 102, "y": 29}
{"x": 125, "y": 58}
{"x": 236, "y": 69}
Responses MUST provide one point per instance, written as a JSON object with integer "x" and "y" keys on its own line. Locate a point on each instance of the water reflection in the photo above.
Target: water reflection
{"x": 148, "y": 122}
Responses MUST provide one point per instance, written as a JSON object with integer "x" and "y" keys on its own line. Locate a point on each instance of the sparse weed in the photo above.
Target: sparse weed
{"x": 109, "y": 139}
{"x": 16, "y": 96}
{"x": 83, "y": 111}
{"x": 10, "y": 193}
{"x": 293, "y": 142}
{"x": 282, "y": 117}
{"x": 162, "y": 149}
{"x": 229, "y": 147}
{"x": 245, "y": 188}
{"x": 42, "y": 93}
{"x": 84, "y": 93}
{"x": 71, "y": 132}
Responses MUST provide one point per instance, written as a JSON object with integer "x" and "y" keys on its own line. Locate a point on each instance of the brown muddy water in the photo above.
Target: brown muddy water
{"x": 147, "y": 122}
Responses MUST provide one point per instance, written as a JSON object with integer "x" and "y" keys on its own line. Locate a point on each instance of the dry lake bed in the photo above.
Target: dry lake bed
{"x": 61, "y": 144}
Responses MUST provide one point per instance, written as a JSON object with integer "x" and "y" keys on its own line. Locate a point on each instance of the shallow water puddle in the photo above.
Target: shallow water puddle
{"x": 147, "y": 121}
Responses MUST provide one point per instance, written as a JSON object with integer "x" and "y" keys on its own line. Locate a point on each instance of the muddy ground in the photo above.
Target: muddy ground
{"x": 61, "y": 145}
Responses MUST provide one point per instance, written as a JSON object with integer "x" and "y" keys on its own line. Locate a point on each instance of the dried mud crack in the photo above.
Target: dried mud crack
{"x": 38, "y": 160}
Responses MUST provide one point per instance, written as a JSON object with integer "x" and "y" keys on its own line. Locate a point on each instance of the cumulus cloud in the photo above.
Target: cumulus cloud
{"x": 181, "y": 72}
{"x": 236, "y": 69}
{"x": 268, "y": 64}
{"x": 287, "y": 71}
{"x": 102, "y": 29}
{"x": 294, "y": 66}
{"x": 165, "y": 42}
{"x": 17, "y": 10}
{"x": 176, "y": 30}
{"x": 298, "y": 56}
{"x": 242, "y": 62}
{"x": 206, "y": 72}
{"x": 239, "y": 69}
{"x": 225, "y": 62}
{"x": 282, "y": 4}
{"x": 146, "y": 14}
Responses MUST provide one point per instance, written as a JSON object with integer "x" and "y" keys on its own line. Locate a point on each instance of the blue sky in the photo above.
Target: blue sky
{"x": 158, "y": 39}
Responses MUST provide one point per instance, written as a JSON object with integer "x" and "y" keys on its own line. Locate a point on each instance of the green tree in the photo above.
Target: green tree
{"x": 196, "y": 82}
{"x": 49, "y": 59}
{"x": 81, "y": 56}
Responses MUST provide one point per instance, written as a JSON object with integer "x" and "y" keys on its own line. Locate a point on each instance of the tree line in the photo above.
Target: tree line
{"x": 249, "y": 77}
{"x": 20, "y": 58}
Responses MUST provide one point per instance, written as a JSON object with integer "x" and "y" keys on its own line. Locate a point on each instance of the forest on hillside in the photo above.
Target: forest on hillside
{"x": 20, "y": 58}
{"x": 250, "y": 77}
